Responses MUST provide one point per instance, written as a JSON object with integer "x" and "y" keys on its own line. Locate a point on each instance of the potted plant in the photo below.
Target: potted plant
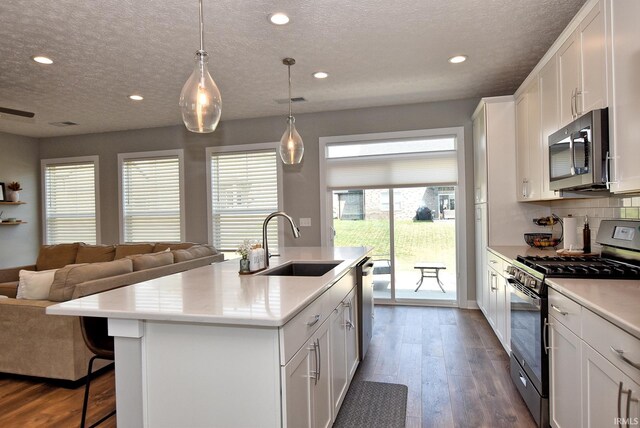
{"x": 15, "y": 188}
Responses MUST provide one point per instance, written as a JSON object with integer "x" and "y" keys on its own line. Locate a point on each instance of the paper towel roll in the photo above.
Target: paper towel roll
{"x": 570, "y": 240}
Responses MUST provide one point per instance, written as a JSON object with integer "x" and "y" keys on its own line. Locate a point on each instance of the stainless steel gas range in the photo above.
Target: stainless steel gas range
{"x": 620, "y": 259}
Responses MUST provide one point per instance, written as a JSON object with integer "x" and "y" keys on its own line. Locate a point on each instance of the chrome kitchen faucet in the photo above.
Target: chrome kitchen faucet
{"x": 294, "y": 229}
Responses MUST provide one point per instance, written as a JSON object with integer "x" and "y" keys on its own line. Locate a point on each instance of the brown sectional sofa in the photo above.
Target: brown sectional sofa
{"x": 36, "y": 344}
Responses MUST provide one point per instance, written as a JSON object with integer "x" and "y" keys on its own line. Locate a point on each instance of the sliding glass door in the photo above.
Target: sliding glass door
{"x": 412, "y": 230}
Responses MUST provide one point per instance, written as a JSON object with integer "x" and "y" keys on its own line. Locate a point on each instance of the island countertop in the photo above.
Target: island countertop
{"x": 217, "y": 294}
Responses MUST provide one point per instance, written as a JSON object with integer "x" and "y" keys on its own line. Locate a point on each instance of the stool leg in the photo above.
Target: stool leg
{"x": 86, "y": 393}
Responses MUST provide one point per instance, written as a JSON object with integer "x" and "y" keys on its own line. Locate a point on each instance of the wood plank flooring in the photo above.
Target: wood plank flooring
{"x": 454, "y": 366}
{"x": 456, "y": 369}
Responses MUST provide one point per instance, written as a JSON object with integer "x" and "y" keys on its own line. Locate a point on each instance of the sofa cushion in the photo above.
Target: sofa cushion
{"x": 202, "y": 250}
{"x": 67, "y": 278}
{"x": 124, "y": 250}
{"x": 148, "y": 261}
{"x": 182, "y": 256}
{"x": 161, "y": 246}
{"x": 56, "y": 256}
{"x": 95, "y": 253}
{"x": 35, "y": 285}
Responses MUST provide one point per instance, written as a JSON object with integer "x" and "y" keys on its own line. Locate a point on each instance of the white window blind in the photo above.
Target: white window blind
{"x": 244, "y": 190}
{"x": 151, "y": 199}
{"x": 425, "y": 161}
{"x": 70, "y": 202}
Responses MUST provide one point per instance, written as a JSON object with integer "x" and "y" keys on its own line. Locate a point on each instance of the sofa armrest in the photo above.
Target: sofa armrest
{"x": 12, "y": 274}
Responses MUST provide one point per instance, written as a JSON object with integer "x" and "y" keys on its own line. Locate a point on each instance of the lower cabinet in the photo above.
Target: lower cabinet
{"x": 609, "y": 397}
{"x": 307, "y": 383}
{"x": 591, "y": 385}
{"x": 498, "y": 310}
{"x": 344, "y": 349}
{"x": 564, "y": 369}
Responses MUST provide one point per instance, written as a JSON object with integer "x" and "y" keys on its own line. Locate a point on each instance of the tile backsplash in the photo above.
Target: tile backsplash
{"x": 598, "y": 209}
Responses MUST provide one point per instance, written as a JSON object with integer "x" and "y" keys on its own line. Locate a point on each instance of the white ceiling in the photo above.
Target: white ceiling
{"x": 377, "y": 52}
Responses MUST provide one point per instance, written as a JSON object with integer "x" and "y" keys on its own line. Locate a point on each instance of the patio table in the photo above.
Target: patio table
{"x": 429, "y": 270}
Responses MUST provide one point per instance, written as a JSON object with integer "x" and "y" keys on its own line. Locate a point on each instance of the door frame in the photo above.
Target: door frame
{"x": 462, "y": 231}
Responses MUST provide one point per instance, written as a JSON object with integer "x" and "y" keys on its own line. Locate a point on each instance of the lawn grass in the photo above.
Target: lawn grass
{"x": 415, "y": 241}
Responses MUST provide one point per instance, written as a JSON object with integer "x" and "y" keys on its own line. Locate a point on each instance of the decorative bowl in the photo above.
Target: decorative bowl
{"x": 541, "y": 240}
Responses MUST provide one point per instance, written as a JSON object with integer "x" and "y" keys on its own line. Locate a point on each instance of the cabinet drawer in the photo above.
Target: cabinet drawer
{"x": 496, "y": 262}
{"x": 341, "y": 288}
{"x": 565, "y": 311}
{"x": 295, "y": 333}
{"x": 602, "y": 336}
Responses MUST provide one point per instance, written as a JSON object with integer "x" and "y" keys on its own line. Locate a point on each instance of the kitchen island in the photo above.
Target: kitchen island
{"x": 210, "y": 347}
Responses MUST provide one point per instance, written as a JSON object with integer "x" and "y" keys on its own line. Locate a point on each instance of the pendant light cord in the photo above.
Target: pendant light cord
{"x": 201, "y": 29}
{"x": 289, "y": 67}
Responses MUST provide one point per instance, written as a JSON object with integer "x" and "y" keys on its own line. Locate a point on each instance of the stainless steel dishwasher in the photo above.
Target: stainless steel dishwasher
{"x": 364, "y": 274}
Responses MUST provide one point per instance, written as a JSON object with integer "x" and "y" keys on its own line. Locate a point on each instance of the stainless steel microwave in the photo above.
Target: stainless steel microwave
{"x": 579, "y": 154}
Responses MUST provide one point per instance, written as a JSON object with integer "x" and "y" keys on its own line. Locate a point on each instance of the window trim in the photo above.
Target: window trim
{"x": 122, "y": 157}
{"x": 96, "y": 182}
{"x": 242, "y": 148}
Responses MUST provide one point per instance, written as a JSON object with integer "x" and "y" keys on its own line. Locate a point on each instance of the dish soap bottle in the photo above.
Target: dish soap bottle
{"x": 586, "y": 236}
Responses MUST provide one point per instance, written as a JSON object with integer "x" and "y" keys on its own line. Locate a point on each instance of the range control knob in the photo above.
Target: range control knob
{"x": 532, "y": 283}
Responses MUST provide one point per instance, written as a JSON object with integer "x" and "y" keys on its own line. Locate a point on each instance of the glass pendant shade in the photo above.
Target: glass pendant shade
{"x": 200, "y": 100}
{"x": 291, "y": 146}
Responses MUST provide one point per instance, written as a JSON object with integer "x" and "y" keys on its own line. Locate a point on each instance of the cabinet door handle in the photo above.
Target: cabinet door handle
{"x": 578, "y": 94}
{"x": 573, "y": 100}
{"x": 560, "y": 311}
{"x": 545, "y": 331}
{"x": 314, "y": 373}
{"x": 620, "y": 354}
{"x": 319, "y": 361}
{"x": 315, "y": 319}
{"x": 620, "y": 401}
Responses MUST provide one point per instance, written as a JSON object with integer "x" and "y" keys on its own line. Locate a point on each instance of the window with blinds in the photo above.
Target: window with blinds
{"x": 244, "y": 190}
{"x": 151, "y": 197}
{"x": 70, "y": 205}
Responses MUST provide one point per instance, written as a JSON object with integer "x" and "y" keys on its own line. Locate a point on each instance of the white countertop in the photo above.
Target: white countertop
{"x": 616, "y": 300}
{"x": 217, "y": 294}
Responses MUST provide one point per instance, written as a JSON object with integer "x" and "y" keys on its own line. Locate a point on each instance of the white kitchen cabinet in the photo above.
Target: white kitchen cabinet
{"x": 582, "y": 66}
{"x": 624, "y": 69}
{"x": 482, "y": 284}
{"x": 607, "y": 393}
{"x": 344, "y": 349}
{"x": 493, "y": 301}
{"x": 306, "y": 383}
{"x": 499, "y": 311}
{"x": 549, "y": 119}
{"x": 528, "y": 148}
{"x": 564, "y": 377}
{"x": 480, "y": 156}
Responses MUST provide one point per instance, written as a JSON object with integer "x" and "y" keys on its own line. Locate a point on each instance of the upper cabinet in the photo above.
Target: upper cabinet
{"x": 549, "y": 118}
{"x": 480, "y": 156}
{"x": 582, "y": 67}
{"x": 624, "y": 66}
{"x": 528, "y": 148}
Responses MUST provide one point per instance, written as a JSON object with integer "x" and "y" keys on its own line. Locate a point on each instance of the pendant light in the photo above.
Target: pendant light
{"x": 291, "y": 146}
{"x": 200, "y": 100}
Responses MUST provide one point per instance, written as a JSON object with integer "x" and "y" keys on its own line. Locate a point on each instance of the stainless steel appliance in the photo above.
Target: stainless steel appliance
{"x": 364, "y": 273}
{"x": 620, "y": 259}
{"x": 579, "y": 154}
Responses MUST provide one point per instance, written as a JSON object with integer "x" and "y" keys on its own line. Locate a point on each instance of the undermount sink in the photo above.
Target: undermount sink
{"x": 302, "y": 269}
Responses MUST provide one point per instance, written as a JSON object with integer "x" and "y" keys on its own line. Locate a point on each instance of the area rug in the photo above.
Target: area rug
{"x": 373, "y": 405}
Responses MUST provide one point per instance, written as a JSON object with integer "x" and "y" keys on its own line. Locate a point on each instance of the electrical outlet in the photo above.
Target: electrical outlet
{"x": 305, "y": 222}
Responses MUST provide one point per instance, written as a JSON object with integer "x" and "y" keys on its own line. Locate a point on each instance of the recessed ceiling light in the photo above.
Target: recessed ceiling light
{"x": 136, "y": 97}
{"x": 320, "y": 75}
{"x": 457, "y": 59}
{"x": 279, "y": 18}
{"x": 42, "y": 59}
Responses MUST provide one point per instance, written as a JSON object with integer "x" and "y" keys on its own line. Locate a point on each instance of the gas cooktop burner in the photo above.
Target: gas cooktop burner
{"x": 580, "y": 267}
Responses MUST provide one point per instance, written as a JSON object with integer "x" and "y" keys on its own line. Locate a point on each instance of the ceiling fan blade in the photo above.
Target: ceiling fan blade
{"x": 16, "y": 112}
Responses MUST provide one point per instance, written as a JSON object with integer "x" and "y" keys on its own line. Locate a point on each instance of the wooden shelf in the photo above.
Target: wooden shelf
{"x": 12, "y": 223}
{"x": 12, "y": 203}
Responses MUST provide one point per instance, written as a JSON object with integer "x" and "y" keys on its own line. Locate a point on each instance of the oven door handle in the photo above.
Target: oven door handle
{"x": 545, "y": 331}
{"x": 535, "y": 301}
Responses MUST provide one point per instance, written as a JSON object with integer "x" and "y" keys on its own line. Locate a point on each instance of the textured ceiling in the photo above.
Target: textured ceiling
{"x": 377, "y": 52}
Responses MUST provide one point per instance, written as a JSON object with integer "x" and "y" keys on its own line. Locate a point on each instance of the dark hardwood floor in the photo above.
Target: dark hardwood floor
{"x": 456, "y": 370}
{"x": 454, "y": 366}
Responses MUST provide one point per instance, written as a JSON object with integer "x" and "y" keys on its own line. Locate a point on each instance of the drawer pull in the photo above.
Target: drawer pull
{"x": 620, "y": 354}
{"x": 315, "y": 319}
{"x": 493, "y": 262}
{"x": 558, "y": 310}
{"x": 522, "y": 378}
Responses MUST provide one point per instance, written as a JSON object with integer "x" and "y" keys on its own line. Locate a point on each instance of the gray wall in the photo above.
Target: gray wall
{"x": 19, "y": 161}
{"x": 301, "y": 183}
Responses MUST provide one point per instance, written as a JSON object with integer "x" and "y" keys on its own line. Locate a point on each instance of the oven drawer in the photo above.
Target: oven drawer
{"x": 565, "y": 310}
{"x": 603, "y": 336}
